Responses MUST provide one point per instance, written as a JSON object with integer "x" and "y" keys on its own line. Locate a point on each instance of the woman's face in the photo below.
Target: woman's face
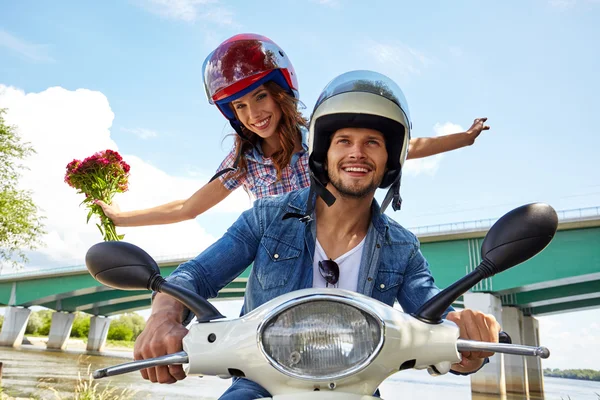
{"x": 259, "y": 112}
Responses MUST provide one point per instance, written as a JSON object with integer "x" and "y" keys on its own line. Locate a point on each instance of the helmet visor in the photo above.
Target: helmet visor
{"x": 365, "y": 81}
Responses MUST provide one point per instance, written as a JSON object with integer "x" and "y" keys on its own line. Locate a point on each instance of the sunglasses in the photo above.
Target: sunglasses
{"x": 330, "y": 271}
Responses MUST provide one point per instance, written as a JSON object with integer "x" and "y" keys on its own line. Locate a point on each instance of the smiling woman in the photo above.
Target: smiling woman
{"x": 253, "y": 83}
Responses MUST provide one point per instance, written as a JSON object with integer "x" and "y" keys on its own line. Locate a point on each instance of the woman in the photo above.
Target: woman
{"x": 254, "y": 85}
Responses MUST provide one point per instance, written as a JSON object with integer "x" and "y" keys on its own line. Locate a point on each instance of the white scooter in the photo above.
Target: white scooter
{"x": 326, "y": 343}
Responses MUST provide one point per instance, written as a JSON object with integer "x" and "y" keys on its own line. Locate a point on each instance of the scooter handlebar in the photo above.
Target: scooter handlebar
{"x": 169, "y": 359}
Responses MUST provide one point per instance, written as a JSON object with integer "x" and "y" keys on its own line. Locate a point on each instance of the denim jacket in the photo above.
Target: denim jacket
{"x": 281, "y": 251}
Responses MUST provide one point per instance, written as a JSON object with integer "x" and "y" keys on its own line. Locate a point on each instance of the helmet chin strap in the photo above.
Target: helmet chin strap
{"x": 236, "y": 125}
{"x": 316, "y": 189}
{"x": 393, "y": 196}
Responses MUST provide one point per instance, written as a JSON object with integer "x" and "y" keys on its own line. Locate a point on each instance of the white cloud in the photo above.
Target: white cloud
{"x": 190, "y": 10}
{"x": 219, "y": 16}
{"x": 63, "y": 125}
{"x": 430, "y": 165}
{"x": 34, "y": 52}
{"x": 398, "y": 58}
{"x": 141, "y": 132}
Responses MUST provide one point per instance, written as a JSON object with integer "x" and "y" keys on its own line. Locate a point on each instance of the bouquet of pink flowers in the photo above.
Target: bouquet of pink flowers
{"x": 99, "y": 177}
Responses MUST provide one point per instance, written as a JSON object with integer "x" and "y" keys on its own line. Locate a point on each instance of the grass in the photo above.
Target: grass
{"x": 120, "y": 343}
{"x": 85, "y": 389}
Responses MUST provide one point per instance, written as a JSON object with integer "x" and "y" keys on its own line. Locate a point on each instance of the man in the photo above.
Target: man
{"x": 334, "y": 234}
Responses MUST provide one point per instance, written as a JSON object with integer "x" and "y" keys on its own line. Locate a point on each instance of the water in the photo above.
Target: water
{"x": 30, "y": 370}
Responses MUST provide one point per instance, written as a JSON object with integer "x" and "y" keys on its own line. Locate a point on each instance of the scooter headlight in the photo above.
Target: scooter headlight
{"x": 321, "y": 339}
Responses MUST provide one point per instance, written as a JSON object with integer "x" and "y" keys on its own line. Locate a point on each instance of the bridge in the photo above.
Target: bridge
{"x": 564, "y": 277}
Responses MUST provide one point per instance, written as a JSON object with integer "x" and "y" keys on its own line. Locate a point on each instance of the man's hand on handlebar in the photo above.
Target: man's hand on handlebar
{"x": 474, "y": 325}
{"x": 162, "y": 335}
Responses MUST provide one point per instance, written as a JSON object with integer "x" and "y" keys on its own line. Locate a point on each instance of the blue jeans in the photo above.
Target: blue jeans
{"x": 243, "y": 389}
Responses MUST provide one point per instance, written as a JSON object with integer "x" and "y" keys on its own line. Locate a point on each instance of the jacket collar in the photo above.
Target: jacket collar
{"x": 298, "y": 204}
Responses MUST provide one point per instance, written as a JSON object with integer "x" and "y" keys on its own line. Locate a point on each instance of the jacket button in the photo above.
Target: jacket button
{"x": 382, "y": 286}
{"x": 369, "y": 279}
{"x": 276, "y": 256}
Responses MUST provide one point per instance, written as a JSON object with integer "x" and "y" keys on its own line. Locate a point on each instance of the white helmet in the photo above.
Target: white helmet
{"x": 361, "y": 99}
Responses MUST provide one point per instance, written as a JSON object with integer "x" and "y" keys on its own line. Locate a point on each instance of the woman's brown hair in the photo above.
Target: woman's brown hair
{"x": 289, "y": 132}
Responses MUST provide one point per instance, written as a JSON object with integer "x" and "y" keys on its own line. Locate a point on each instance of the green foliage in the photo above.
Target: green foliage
{"x": 120, "y": 344}
{"x": 126, "y": 327}
{"x": 1, "y": 321}
{"x": 39, "y": 323}
{"x": 581, "y": 374}
{"x": 119, "y": 331}
{"x": 20, "y": 225}
{"x": 81, "y": 326}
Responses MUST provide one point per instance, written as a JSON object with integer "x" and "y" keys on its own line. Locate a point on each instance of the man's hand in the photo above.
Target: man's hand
{"x": 474, "y": 325}
{"x": 163, "y": 335}
{"x": 475, "y": 130}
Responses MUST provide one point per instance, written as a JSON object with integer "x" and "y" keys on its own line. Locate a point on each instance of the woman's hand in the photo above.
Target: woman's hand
{"x": 112, "y": 211}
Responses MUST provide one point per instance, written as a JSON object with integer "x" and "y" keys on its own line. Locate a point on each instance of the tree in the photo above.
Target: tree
{"x": 81, "y": 325}
{"x": 120, "y": 330}
{"x": 39, "y": 323}
{"x": 127, "y": 327}
{"x": 20, "y": 225}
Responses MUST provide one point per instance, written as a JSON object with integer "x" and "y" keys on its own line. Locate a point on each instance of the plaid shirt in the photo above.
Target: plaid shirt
{"x": 261, "y": 178}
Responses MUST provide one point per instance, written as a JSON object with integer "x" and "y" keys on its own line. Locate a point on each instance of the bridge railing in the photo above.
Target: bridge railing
{"x": 484, "y": 224}
{"x": 577, "y": 214}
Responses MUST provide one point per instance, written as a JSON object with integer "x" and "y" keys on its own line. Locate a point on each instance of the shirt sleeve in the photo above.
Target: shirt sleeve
{"x": 223, "y": 261}
{"x": 229, "y": 179}
{"x": 418, "y": 286}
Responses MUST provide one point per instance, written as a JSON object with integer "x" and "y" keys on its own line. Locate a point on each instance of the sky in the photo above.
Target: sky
{"x": 78, "y": 77}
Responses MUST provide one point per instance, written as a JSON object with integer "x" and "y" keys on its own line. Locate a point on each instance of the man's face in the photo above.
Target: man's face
{"x": 356, "y": 161}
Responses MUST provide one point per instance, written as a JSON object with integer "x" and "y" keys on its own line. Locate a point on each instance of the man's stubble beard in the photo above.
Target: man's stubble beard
{"x": 351, "y": 193}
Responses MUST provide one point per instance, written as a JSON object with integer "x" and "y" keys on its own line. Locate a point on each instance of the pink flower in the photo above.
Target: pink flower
{"x": 99, "y": 177}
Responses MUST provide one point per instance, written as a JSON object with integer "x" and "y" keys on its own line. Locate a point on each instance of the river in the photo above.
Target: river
{"x": 31, "y": 370}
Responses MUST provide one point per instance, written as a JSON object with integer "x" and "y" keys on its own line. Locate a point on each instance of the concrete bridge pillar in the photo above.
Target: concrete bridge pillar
{"x": 534, "y": 371}
{"x": 13, "y": 328}
{"x": 490, "y": 379}
{"x": 514, "y": 366}
{"x": 98, "y": 333}
{"x": 60, "y": 329}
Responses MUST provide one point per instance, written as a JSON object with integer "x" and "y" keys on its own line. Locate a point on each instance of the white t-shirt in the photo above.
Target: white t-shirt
{"x": 349, "y": 264}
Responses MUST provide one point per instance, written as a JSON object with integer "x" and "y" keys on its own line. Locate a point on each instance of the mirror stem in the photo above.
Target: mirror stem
{"x": 203, "y": 310}
{"x": 432, "y": 311}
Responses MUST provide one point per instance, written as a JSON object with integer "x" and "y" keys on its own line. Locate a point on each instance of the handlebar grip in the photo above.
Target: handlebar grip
{"x": 503, "y": 337}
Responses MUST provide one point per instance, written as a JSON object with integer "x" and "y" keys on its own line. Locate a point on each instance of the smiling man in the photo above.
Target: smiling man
{"x": 331, "y": 235}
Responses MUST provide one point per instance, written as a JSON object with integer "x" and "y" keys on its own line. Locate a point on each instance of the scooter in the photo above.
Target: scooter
{"x": 327, "y": 343}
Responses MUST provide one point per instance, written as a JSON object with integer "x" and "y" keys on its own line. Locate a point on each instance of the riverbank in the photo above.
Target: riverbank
{"x": 79, "y": 344}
